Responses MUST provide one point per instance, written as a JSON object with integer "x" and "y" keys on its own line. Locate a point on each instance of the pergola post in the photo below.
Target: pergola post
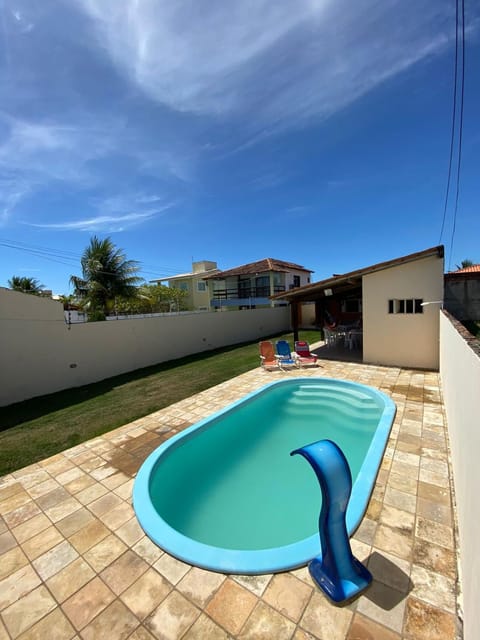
{"x": 294, "y": 319}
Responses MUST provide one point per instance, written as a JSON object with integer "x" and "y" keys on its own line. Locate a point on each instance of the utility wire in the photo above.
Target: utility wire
{"x": 454, "y": 118}
{"x": 460, "y": 134}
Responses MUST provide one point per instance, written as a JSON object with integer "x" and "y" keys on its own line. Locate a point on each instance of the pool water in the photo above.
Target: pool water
{"x": 229, "y": 483}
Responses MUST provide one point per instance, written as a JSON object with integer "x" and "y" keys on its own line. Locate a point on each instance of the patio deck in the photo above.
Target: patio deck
{"x": 74, "y": 563}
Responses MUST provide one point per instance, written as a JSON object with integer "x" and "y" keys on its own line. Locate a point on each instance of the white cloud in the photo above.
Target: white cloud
{"x": 279, "y": 64}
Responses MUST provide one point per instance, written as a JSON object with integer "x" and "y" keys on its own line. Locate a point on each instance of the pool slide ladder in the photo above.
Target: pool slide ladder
{"x": 336, "y": 571}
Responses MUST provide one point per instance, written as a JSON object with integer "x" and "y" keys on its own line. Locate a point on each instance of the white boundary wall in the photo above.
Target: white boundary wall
{"x": 460, "y": 375}
{"x": 40, "y": 353}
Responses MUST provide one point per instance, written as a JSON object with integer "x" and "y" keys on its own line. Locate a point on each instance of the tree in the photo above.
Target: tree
{"x": 106, "y": 274}
{"x": 153, "y": 298}
{"x": 26, "y": 285}
{"x": 465, "y": 264}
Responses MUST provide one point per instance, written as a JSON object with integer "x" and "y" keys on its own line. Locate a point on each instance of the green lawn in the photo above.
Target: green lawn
{"x": 36, "y": 429}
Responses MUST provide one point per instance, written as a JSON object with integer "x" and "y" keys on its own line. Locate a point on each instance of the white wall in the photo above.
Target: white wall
{"x": 404, "y": 340}
{"x": 40, "y": 353}
{"x": 460, "y": 376}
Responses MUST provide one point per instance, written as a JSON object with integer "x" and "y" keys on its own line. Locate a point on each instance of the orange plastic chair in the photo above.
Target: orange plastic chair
{"x": 267, "y": 355}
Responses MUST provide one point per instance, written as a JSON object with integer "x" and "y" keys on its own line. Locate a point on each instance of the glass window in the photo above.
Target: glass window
{"x": 201, "y": 285}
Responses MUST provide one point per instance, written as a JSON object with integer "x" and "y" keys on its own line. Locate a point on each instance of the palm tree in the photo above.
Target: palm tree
{"x": 106, "y": 273}
{"x": 26, "y": 285}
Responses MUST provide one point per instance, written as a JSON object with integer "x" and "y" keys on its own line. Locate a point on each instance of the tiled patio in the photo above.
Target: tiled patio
{"x": 74, "y": 562}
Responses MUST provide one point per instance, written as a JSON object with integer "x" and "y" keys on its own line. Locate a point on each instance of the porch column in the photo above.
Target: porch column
{"x": 294, "y": 319}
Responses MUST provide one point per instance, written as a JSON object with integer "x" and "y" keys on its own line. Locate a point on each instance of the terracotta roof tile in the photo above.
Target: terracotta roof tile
{"x": 475, "y": 268}
{"x": 261, "y": 266}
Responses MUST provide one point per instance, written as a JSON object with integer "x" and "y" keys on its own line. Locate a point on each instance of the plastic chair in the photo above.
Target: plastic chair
{"x": 303, "y": 354}
{"x": 284, "y": 355}
{"x": 267, "y": 355}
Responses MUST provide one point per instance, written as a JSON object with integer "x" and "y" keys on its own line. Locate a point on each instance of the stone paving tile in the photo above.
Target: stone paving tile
{"x": 172, "y": 618}
{"x": 406, "y": 539}
{"x": 231, "y": 606}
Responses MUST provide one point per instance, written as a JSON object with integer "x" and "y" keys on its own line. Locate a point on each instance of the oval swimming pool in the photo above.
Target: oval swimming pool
{"x": 226, "y": 495}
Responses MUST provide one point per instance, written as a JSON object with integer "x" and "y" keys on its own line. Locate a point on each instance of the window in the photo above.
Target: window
{"x": 409, "y": 306}
{"x": 201, "y": 285}
{"x": 183, "y": 286}
{"x": 296, "y": 281}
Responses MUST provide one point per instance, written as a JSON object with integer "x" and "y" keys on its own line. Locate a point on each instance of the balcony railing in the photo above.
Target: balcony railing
{"x": 246, "y": 293}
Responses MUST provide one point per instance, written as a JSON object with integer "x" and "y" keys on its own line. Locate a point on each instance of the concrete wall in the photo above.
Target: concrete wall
{"x": 400, "y": 339}
{"x": 460, "y": 375}
{"x": 40, "y": 353}
{"x": 462, "y": 296}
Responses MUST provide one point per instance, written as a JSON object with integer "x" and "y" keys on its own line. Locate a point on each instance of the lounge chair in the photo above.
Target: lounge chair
{"x": 284, "y": 355}
{"x": 303, "y": 354}
{"x": 267, "y": 355}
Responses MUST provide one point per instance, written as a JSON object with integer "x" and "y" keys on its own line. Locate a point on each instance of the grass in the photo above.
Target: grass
{"x": 41, "y": 427}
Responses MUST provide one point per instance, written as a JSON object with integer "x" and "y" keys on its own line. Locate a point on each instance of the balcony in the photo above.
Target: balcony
{"x": 244, "y": 296}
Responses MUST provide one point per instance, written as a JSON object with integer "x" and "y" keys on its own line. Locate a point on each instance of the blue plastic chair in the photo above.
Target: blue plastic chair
{"x": 285, "y": 358}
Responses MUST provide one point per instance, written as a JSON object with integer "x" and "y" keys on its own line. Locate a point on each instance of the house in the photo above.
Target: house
{"x": 462, "y": 293}
{"x": 396, "y": 302}
{"x": 251, "y": 285}
{"x": 194, "y": 284}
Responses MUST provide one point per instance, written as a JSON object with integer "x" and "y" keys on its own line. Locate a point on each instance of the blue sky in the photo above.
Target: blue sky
{"x": 316, "y": 132}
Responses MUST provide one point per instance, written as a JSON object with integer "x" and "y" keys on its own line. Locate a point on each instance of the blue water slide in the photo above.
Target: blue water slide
{"x": 336, "y": 571}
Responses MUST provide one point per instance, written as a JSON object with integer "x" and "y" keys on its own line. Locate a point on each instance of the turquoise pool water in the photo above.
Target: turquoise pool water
{"x": 228, "y": 488}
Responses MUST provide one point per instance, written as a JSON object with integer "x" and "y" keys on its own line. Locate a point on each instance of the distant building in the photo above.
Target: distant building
{"x": 251, "y": 285}
{"x": 194, "y": 284}
{"x": 462, "y": 293}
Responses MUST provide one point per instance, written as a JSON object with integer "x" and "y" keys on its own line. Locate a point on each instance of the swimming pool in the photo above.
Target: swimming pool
{"x": 226, "y": 495}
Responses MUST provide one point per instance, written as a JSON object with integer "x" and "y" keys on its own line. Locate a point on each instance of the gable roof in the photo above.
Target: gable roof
{"x": 261, "y": 266}
{"x": 353, "y": 279}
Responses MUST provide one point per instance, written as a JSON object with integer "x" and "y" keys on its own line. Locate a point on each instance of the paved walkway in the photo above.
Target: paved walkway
{"x": 74, "y": 562}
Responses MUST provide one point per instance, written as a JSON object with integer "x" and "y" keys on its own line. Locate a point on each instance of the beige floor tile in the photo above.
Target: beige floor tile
{"x": 17, "y": 585}
{"x": 231, "y": 606}
{"x": 22, "y": 514}
{"x": 89, "y": 536}
{"x": 88, "y": 495}
{"x": 14, "y": 501}
{"x": 31, "y": 527}
{"x": 171, "y": 568}
{"x": 55, "y": 560}
{"x": 434, "y": 558}
{"x": 141, "y": 633}
{"x": 11, "y": 561}
{"x": 62, "y": 509}
{"x": 394, "y": 541}
{"x": 117, "y": 516}
{"x": 147, "y": 550}
{"x": 42, "y": 542}
{"x": 172, "y": 618}
{"x": 116, "y": 622}
{"x": 105, "y": 552}
{"x": 363, "y": 628}
{"x": 52, "y": 498}
{"x": 121, "y": 573}
{"x": 288, "y": 595}
{"x": 75, "y": 521}
{"x": 424, "y": 622}
{"x": 199, "y": 585}
{"x": 390, "y": 570}
{"x": 87, "y": 603}
{"x": 384, "y": 605}
{"x": 204, "y": 628}
{"x": 434, "y": 532}
{"x": 433, "y": 588}
{"x": 24, "y": 613}
{"x": 55, "y": 626}
{"x": 130, "y": 532}
{"x": 104, "y": 504}
{"x": 38, "y": 490}
{"x": 255, "y": 584}
{"x": 144, "y": 595}
{"x": 265, "y": 622}
{"x": 323, "y": 620}
{"x": 7, "y": 542}
{"x": 70, "y": 579}
{"x": 434, "y": 511}
{"x": 79, "y": 484}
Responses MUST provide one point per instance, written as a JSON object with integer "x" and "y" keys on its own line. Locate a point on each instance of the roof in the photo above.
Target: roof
{"x": 261, "y": 266}
{"x": 475, "y": 268}
{"x": 353, "y": 279}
